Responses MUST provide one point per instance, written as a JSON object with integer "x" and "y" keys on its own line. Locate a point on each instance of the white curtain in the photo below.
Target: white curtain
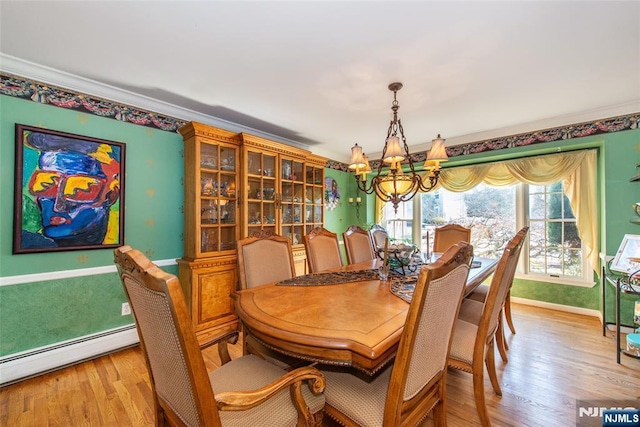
{"x": 577, "y": 170}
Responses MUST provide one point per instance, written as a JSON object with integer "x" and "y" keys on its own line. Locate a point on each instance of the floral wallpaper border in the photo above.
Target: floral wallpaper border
{"x": 610, "y": 125}
{"x": 63, "y": 98}
{"x": 47, "y": 94}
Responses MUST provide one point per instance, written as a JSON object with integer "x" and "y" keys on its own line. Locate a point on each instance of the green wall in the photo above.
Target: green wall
{"x": 50, "y": 311}
{"x": 344, "y": 215}
{"x": 621, "y": 155}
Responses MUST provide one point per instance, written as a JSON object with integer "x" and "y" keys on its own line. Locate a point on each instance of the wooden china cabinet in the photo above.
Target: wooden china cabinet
{"x": 282, "y": 192}
{"x": 208, "y": 270}
{"x": 235, "y": 184}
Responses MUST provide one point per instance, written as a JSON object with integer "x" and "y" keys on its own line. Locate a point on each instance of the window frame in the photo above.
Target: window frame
{"x": 403, "y": 219}
{"x": 523, "y": 272}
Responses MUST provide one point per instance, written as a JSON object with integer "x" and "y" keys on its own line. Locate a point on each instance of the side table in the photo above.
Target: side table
{"x": 624, "y": 284}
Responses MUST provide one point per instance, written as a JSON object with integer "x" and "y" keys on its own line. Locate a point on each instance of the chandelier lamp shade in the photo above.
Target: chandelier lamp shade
{"x": 391, "y": 183}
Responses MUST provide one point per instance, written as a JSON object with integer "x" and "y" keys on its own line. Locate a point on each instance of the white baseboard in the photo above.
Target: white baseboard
{"x": 37, "y": 361}
{"x": 558, "y": 307}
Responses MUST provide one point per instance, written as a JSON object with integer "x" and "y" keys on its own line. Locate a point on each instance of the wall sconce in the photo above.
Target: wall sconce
{"x": 356, "y": 203}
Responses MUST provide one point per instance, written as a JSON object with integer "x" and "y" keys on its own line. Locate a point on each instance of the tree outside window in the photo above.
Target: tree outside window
{"x": 488, "y": 211}
{"x": 555, "y": 247}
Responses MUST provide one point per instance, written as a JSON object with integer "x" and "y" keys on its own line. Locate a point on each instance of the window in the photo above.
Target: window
{"x": 399, "y": 225}
{"x": 553, "y": 250}
{"x": 490, "y": 213}
{"x": 554, "y": 245}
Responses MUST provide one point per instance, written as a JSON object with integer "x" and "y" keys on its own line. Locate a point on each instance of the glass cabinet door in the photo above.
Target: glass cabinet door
{"x": 261, "y": 191}
{"x": 292, "y": 180}
{"x": 284, "y": 193}
{"x": 313, "y": 197}
{"x": 218, "y": 197}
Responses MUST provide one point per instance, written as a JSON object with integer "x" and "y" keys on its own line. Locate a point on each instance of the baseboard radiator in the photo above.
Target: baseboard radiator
{"x": 20, "y": 366}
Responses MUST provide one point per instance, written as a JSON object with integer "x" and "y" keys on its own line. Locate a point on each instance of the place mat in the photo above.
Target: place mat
{"x": 331, "y": 278}
{"x": 403, "y": 287}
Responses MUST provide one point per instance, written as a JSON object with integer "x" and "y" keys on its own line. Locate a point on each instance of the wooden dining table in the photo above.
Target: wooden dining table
{"x": 354, "y": 324}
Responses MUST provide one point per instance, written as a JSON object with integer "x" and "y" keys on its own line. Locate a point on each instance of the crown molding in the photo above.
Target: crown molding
{"x": 51, "y": 76}
{"x": 574, "y": 119}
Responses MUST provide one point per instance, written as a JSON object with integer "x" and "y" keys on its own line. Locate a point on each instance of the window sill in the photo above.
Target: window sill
{"x": 557, "y": 280}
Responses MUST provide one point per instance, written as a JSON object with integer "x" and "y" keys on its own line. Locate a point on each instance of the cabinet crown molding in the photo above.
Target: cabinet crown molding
{"x": 193, "y": 129}
{"x": 263, "y": 143}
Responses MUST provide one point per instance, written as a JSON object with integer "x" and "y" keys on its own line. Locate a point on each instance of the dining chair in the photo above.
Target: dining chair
{"x": 480, "y": 294}
{"x": 264, "y": 257}
{"x": 322, "y": 249}
{"x": 243, "y": 391}
{"x": 477, "y": 326}
{"x": 378, "y": 236}
{"x": 404, "y": 393}
{"x": 448, "y": 235}
{"x": 357, "y": 245}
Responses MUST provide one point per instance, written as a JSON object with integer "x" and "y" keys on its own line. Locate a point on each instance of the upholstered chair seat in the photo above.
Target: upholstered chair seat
{"x": 464, "y": 342}
{"x": 251, "y": 373}
{"x": 471, "y": 311}
{"x": 362, "y": 401}
{"x": 480, "y": 293}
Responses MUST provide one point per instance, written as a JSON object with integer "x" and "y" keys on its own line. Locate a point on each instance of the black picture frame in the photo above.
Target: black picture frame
{"x": 68, "y": 191}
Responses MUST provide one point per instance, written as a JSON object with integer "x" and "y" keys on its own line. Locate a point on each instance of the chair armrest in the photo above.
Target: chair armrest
{"x": 223, "y": 340}
{"x": 240, "y": 401}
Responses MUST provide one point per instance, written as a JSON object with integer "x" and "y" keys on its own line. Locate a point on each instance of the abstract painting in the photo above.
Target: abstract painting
{"x": 69, "y": 192}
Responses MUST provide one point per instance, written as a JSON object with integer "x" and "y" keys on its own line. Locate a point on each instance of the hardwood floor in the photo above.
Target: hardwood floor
{"x": 555, "y": 359}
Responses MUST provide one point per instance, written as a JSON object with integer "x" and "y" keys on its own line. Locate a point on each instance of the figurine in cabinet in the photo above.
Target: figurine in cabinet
{"x": 207, "y": 187}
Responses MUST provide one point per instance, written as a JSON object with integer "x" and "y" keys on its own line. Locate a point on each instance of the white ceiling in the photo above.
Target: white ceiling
{"x": 317, "y": 72}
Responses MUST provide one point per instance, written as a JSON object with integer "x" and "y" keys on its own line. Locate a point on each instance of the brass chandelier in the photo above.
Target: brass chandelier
{"x": 394, "y": 185}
